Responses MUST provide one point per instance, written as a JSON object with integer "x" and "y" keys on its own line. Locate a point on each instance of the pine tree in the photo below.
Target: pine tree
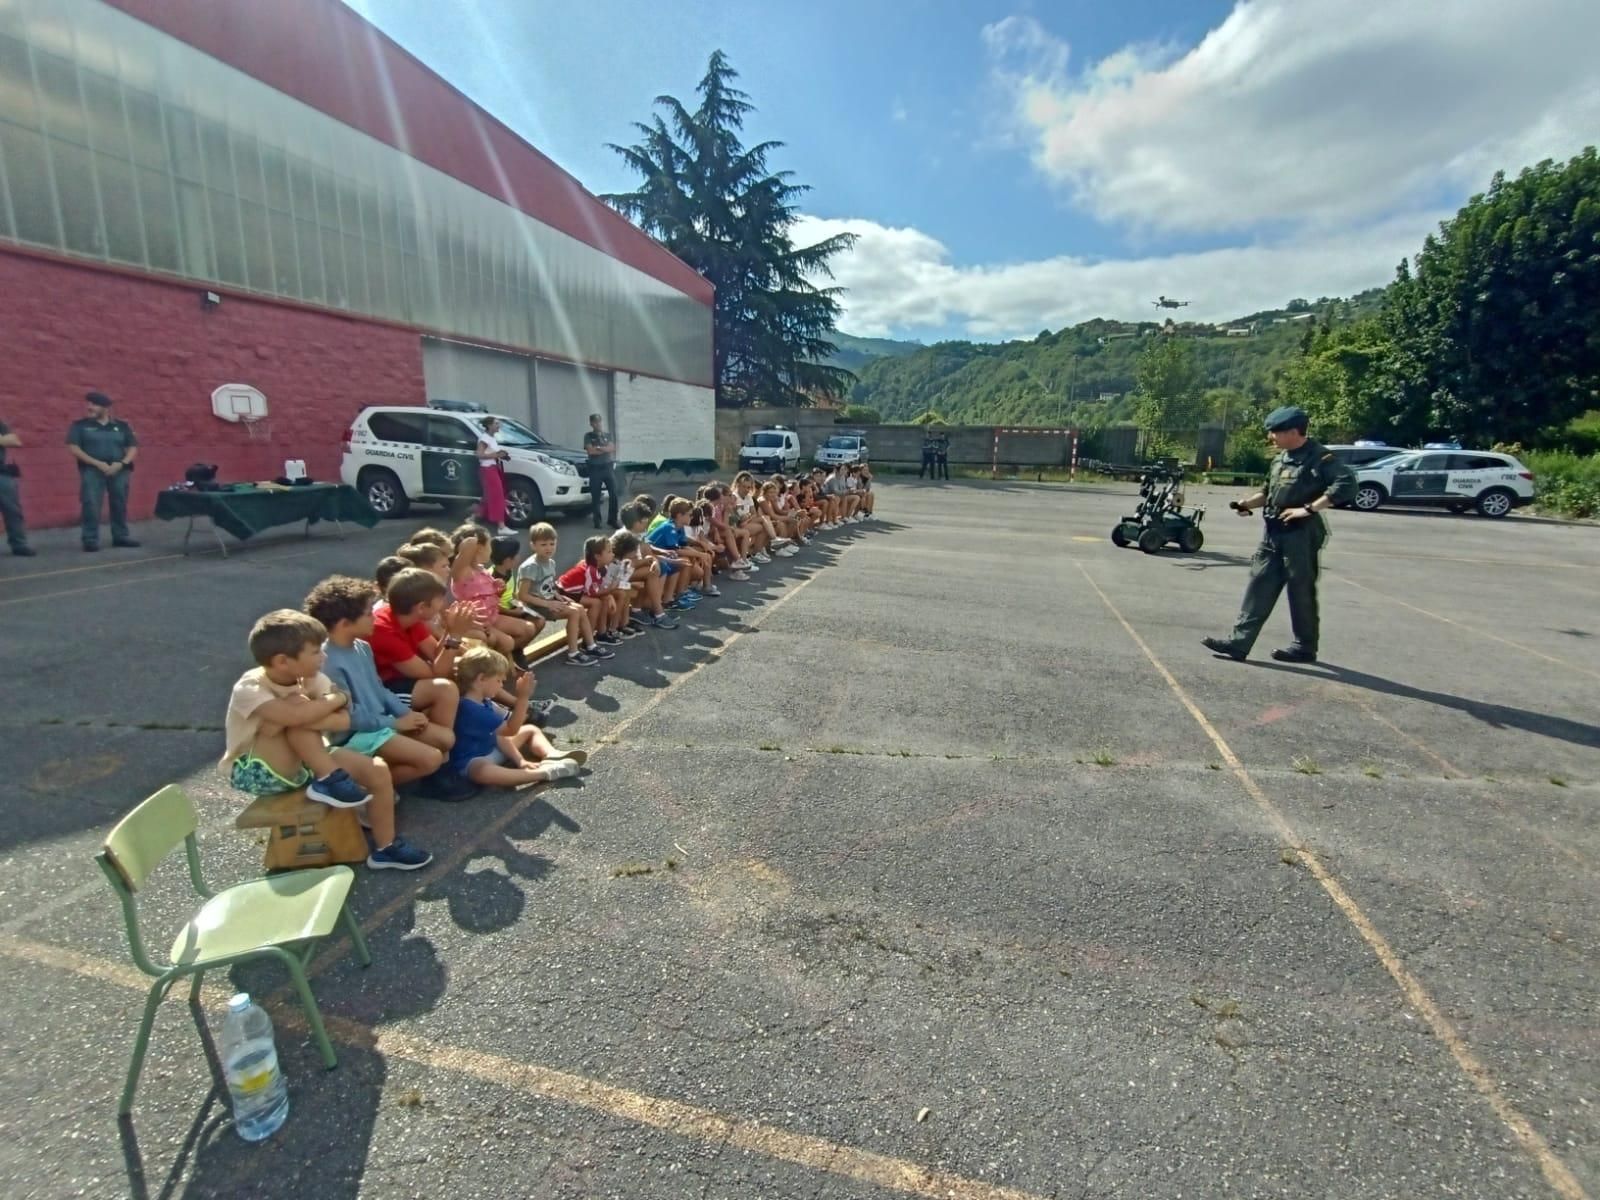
{"x": 717, "y": 205}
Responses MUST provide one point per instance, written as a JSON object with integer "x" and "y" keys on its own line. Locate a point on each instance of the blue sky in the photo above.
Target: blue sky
{"x": 1016, "y": 166}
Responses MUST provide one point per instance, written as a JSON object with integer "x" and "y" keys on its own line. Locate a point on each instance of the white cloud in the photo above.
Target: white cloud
{"x": 1308, "y": 113}
{"x": 897, "y": 110}
{"x": 901, "y": 281}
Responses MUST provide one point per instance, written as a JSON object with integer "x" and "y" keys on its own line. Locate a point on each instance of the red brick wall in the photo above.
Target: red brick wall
{"x": 153, "y": 348}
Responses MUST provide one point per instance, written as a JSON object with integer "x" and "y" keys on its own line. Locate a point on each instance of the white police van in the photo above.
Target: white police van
{"x": 394, "y": 456}
{"x": 775, "y": 449}
{"x": 1492, "y": 483}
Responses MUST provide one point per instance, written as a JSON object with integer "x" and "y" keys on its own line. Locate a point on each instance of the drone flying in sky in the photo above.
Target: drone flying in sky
{"x": 1164, "y": 302}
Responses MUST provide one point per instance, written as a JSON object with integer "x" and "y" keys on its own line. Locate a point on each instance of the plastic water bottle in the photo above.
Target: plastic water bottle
{"x": 250, "y": 1063}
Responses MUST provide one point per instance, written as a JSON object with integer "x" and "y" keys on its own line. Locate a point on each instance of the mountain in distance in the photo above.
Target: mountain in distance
{"x": 852, "y": 353}
{"x": 1084, "y": 375}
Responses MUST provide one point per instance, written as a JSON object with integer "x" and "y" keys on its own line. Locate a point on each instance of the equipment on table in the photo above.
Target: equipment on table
{"x": 1160, "y": 517}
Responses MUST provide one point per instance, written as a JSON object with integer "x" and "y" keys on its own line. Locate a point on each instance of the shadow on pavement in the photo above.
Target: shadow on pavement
{"x": 1500, "y": 716}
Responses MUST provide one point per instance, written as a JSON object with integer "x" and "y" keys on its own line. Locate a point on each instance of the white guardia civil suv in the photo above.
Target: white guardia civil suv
{"x": 393, "y": 456}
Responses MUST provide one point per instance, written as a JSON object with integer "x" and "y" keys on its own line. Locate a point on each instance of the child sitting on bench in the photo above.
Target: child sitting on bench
{"x": 277, "y": 715}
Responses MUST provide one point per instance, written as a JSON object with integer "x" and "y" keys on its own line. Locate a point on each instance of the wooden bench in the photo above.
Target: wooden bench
{"x": 303, "y": 832}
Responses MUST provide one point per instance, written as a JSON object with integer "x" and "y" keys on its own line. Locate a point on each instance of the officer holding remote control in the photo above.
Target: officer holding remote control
{"x": 1304, "y": 481}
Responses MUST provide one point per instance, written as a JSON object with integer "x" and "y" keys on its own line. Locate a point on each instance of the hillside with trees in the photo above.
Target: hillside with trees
{"x": 1087, "y": 375}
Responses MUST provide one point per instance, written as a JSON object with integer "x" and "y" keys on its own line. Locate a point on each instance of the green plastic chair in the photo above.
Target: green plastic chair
{"x": 281, "y": 916}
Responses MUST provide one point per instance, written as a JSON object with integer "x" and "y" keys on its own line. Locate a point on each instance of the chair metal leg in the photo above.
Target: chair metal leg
{"x": 194, "y": 988}
{"x": 353, "y": 928}
{"x": 158, "y": 992}
{"x": 314, "y": 1017}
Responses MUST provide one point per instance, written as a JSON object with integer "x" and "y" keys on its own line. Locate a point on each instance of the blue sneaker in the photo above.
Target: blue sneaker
{"x": 682, "y": 605}
{"x": 338, "y": 790}
{"x": 690, "y": 594}
{"x": 398, "y": 855}
{"x": 662, "y": 621}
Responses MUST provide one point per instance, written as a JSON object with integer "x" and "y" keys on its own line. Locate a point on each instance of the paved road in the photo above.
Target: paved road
{"x": 951, "y": 814}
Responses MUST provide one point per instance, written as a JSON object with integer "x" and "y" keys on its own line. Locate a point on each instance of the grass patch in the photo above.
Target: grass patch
{"x": 1558, "y": 781}
{"x": 1217, "y": 1006}
{"x": 769, "y": 746}
{"x": 630, "y": 870}
{"x": 1305, "y": 765}
{"x": 1213, "y": 766}
{"x": 1103, "y": 757}
{"x": 1371, "y": 771}
{"x": 1288, "y": 856}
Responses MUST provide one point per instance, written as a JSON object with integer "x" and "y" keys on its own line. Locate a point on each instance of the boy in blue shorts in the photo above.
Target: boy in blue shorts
{"x": 277, "y": 716}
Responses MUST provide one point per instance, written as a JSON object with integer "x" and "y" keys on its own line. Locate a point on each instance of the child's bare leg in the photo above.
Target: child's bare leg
{"x": 374, "y": 776}
{"x": 410, "y": 758}
{"x": 595, "y": 619}
{"x": 500, "y": 641}
{"x": 574, "y": 622}
{"x": 531, "y": 743}
{"x": 519, "y": 631}
{"x": 438, "y": 699}
{"x": 304, "y": 745}
{"x": 487, "y": 774}
{"x": 652, "y": 592}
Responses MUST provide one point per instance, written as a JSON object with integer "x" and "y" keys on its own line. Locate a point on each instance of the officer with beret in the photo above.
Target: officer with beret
{"x": 1303, "y": 481}
{"x": 105, "y": 449}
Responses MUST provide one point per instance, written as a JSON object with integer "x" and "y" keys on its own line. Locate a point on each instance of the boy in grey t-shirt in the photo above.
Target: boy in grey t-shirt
{"x": 536, "y": 589}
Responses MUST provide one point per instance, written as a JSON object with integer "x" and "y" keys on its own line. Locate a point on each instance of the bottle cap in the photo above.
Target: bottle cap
{"x": 240, "y": 1002}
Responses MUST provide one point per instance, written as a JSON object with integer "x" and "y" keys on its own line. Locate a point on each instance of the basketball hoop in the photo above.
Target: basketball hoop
{"x": 257, "y": 429}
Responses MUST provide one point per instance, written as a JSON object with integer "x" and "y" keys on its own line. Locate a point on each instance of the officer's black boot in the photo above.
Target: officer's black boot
{"x": 1224, "y": 647}
{"x": 1295, "y": 654}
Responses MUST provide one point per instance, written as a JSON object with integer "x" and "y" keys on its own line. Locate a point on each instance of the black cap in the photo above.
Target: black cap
{"x": 98, "y": 398}
{"x": 1288, "y": 417}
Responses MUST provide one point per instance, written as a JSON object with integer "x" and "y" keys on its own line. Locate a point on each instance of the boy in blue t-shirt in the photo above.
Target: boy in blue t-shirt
{"x": 493, "y": 747}
{"x": 694, "y": 563}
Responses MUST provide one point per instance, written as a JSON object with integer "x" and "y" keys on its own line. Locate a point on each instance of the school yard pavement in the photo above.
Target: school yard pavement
{"x": 939, "y": 861}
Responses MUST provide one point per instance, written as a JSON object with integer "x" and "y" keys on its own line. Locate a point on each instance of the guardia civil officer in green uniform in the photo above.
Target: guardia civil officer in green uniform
{"x": 1303, "y": 482}
{"x": 104, "y": 448}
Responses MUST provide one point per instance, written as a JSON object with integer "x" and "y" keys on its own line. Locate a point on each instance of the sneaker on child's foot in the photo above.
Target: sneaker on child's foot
{"x": 398, "y": 855}
{"x": 558, "y": 768}
{"x": 740, "y": 564}
{"x": 630, "y": 630}
{"x": 779, "y": 543}
{"x": 607, "y": 637}
{"x": 712, "y": 589}
{"x": 578, "y": 756}
{"x": 581, "y": 658}
{"x": 787, "y": 551}
{"x": 761, "y": 556}
{"x": 739, "y": 576}
{"x": 598, "y": 651}
{"x": 339, "y": 790}
{"x": 662, "y": 621}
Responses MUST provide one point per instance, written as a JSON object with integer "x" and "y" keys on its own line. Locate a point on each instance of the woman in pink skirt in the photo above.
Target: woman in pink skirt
{"x": 492, "y": 476}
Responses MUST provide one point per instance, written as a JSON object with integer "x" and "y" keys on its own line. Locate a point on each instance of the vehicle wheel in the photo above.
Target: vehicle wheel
{"x": 381, "y": 489}
{"x": 1191, "y": 539}
{"x": 524, "y": 505}
{"x": 1119, "y": 537}
{"x": 1151, "y": 541}
{"x": 1496, "y": 503}
{"x": 1369, "y": 496}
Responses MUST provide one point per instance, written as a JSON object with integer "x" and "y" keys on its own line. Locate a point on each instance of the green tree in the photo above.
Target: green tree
{"x": 928, "y": 417}
{"x": 860, "y": 414}
{"x": 1169, "y": 403}
{"x": 716, "y": 204}
{"x": 1494, "y": 327}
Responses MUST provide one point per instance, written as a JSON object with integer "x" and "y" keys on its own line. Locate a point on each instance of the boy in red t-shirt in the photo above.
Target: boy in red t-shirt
{"x": 410, "y": 660}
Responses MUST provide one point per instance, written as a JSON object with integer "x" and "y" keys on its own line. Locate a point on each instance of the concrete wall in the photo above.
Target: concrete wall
{"x": 657, "y": 419}
{"x": 159, "y": 354}
{"x": 970, "y": 445}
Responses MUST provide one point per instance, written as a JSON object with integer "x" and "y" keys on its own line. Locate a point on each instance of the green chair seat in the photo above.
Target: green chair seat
{"x": 281, "y": 917}
{"x": 276, "y": 911}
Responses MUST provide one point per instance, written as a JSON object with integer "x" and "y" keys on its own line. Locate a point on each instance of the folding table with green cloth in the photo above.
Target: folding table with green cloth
{"x": 244, "y": 510}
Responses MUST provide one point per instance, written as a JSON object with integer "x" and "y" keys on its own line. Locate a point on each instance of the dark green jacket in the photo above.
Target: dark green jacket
{"x": 1297, "y": 477}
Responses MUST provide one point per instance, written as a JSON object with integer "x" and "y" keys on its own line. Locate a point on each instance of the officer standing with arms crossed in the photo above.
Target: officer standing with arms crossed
{"x": 1303, "y": 481}
{"x": 105, "y": 449}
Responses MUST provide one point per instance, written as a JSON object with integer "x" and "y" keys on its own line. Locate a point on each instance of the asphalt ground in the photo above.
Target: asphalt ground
{"x": 940, "y": 860}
